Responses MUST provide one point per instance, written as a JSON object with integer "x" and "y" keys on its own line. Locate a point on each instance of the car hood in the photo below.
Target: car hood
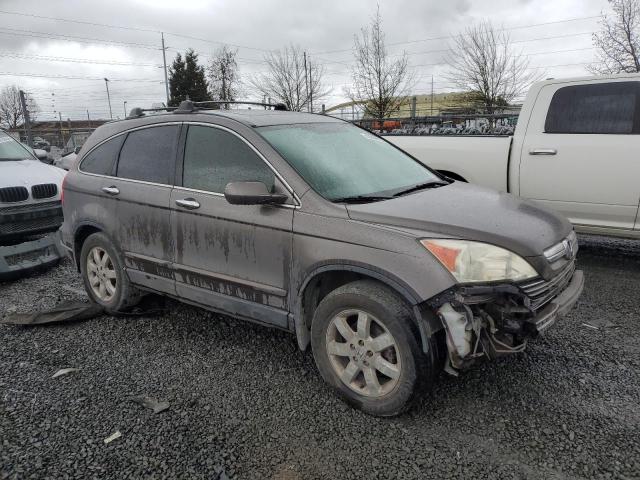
{"x": 28, "y": 172}
{"x": 470, "y": 212}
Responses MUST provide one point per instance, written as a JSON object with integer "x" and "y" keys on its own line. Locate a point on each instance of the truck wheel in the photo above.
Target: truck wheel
{"x": 105, "y": 280}
{"x": 366, "y": 346}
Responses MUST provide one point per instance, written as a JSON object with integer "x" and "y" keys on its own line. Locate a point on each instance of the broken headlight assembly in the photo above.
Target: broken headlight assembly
{"x": 476, "y": 262}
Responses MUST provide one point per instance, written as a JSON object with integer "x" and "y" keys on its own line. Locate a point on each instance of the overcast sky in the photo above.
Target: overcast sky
{"x": 42, "y": 49}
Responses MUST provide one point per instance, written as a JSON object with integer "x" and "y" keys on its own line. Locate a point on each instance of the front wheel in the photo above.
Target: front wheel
{"x": 105, "y": 279}
{"x": 366, "y": 346}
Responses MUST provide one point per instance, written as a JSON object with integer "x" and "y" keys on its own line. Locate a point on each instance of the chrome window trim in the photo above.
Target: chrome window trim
{"x": 125, "y": 132}
{"x": 296, "y": 199}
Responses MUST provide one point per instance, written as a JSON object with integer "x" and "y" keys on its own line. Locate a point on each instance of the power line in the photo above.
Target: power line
{"x": 73, "y": 38}
{"x": 59, "y": 19}
{"x": 46, "y": 58}
{"x": 70, "y": 77}
{"x": 447, "y": 37}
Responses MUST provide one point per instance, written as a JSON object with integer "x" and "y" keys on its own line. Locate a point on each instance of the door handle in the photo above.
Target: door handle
{"x": 543, "y": 151}
{"x": 111, "y": 190}
{"x": 188, "y": 203}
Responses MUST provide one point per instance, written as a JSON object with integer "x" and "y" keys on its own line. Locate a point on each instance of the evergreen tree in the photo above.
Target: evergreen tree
{"x": 187, "y": 79}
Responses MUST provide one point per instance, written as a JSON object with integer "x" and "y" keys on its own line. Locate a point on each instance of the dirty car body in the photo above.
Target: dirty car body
{"x": 291, "y": 250}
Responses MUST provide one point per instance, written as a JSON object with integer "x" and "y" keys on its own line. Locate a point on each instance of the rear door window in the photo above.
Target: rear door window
{"x": 102, "y": 158}
{"x": 149, "y": 154}
{"x": 214, "y": 157}
{"x": 601, "y": 108}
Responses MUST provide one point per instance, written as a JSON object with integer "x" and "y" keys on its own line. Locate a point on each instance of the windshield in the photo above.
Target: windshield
{"x": 342, "y": 161}
{"x": 12, "y": 150}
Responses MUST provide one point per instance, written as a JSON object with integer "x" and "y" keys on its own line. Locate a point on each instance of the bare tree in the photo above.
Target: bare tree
{"x": 224, "y": 77}
{"x": 380, "y": 85}
{"x": 482, "y": 62}
{"x": 10, "y": 108}
{"x": 290, "y": 81}
{"x": 618, "y": 42}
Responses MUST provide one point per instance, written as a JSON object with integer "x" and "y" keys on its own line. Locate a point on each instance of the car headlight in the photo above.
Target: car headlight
{"x": 478, "y": 262}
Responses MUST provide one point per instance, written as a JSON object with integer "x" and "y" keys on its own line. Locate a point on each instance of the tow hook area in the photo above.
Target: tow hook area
{"x": 486, "y": 326}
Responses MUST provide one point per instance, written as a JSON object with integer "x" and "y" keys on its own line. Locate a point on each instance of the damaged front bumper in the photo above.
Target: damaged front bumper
{"x": 493, "y": 320}
{"x": 20, "y": 259}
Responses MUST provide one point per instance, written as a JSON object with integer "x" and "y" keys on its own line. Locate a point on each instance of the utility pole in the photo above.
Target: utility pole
{"x": 223, "y": 73}
{"x": 310, "y": 88}
{"x": 27, "y": 119}
{"x": 125, "y": 109}
{"x": 61, "y": 132}
{"x": 164, "y": 62}
{"x": 432, "y": 95}
{"x": 306, "y": 80}
{"x": 106, "y": 82}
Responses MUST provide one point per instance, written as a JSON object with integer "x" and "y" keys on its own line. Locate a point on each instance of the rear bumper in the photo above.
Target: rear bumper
{"x": 19, "y": 260}
{"x": 560, "y": 305}
{"x": 18, "y": 221}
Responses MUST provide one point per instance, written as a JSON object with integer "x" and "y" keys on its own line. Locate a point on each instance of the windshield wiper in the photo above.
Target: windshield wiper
{"x": 361, "y": 199}
{"x": 421, "y": 186}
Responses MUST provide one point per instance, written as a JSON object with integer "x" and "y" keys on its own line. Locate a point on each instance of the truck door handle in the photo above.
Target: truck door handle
{"x": 188, "y": 203}
{"x": 543, "y": 151}
{"x": 111, "y": 190}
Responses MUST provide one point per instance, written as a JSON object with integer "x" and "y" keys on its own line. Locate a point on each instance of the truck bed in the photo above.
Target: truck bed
{"x": 483, "y": 160}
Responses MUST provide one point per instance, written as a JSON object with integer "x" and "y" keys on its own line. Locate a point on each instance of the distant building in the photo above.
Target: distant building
{"x": 65, "y": 135}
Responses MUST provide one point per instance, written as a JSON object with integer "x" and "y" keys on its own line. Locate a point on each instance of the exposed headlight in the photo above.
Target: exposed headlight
{"x": 478, "y": 262}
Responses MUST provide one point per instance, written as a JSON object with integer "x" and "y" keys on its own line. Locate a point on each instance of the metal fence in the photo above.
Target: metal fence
{"x": 474, "y": 124}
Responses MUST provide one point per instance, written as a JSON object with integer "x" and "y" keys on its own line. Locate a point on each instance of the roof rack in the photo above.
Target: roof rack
{"x": 188, "y": 106}
{"x": 139, "y": 112}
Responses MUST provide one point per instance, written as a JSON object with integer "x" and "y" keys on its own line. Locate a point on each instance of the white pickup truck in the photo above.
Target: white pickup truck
{"x": 576, "y": 149}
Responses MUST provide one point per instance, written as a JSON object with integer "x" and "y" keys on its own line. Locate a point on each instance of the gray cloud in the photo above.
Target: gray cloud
{"x": 319, "y": 27}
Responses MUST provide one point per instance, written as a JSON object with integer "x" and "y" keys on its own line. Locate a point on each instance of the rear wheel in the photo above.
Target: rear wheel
{"x": 366, "y": 346}
{"x": 105, "y": 279}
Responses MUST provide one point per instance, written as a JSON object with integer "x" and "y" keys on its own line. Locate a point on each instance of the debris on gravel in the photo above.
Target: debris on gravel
{"x": 64, "y": 371}
{"x": 246, "y": 403}
{"x": 150, "y": 403}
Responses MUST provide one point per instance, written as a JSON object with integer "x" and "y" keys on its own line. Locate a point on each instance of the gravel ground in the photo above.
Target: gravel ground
{"x": 246, "y": 403}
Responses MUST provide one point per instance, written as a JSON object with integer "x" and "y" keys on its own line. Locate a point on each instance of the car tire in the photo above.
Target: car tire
{"x": 388, "y": 379}
{"x": 104, "y": 276}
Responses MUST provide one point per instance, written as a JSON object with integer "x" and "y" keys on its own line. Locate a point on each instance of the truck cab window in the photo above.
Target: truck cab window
{"x": 599, "y": 108}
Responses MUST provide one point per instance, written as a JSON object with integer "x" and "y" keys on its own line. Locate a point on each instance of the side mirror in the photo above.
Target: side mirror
{"x": 41, "y": 155}
{"x": 252, "y": 193}
{"x": 77, "y": 150}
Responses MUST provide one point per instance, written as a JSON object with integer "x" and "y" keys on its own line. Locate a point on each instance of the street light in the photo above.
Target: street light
{"x": 106, "y": 82}
{"x": 125, "y": 109}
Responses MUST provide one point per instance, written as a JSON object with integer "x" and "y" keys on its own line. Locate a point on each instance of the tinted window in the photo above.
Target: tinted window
{"x": 148, "y": 154}
{"x": 599, "y": 108}
{"x": 102, "y": 158}
{"x": 215, "y": 157}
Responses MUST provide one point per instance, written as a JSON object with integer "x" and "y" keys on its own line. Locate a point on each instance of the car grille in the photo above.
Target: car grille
{"x": 540, "y": 292}
{"x": 32, "y": 225}
{"x": 13, "y": 194}
{"x": 30, "y": 207}
{"x": 45, "y": 190}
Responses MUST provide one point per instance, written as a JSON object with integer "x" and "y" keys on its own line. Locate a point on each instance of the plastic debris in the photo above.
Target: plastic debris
{"x": 64, "y": 371}
{"x": 113, "y": 437}
{"x": 151, "y": 403}
{"x": 64, "y": 312}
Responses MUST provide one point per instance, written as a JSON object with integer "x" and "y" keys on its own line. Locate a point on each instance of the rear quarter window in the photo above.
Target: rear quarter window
{"x": 102, "y": 158}
{"x": 149, "y": 154}
{"x": 601, "y": 108}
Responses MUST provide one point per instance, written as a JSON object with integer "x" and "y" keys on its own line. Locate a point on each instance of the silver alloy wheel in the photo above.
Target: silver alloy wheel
{"x": 101, "y": 273}
{"x": 363, "y": 353}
